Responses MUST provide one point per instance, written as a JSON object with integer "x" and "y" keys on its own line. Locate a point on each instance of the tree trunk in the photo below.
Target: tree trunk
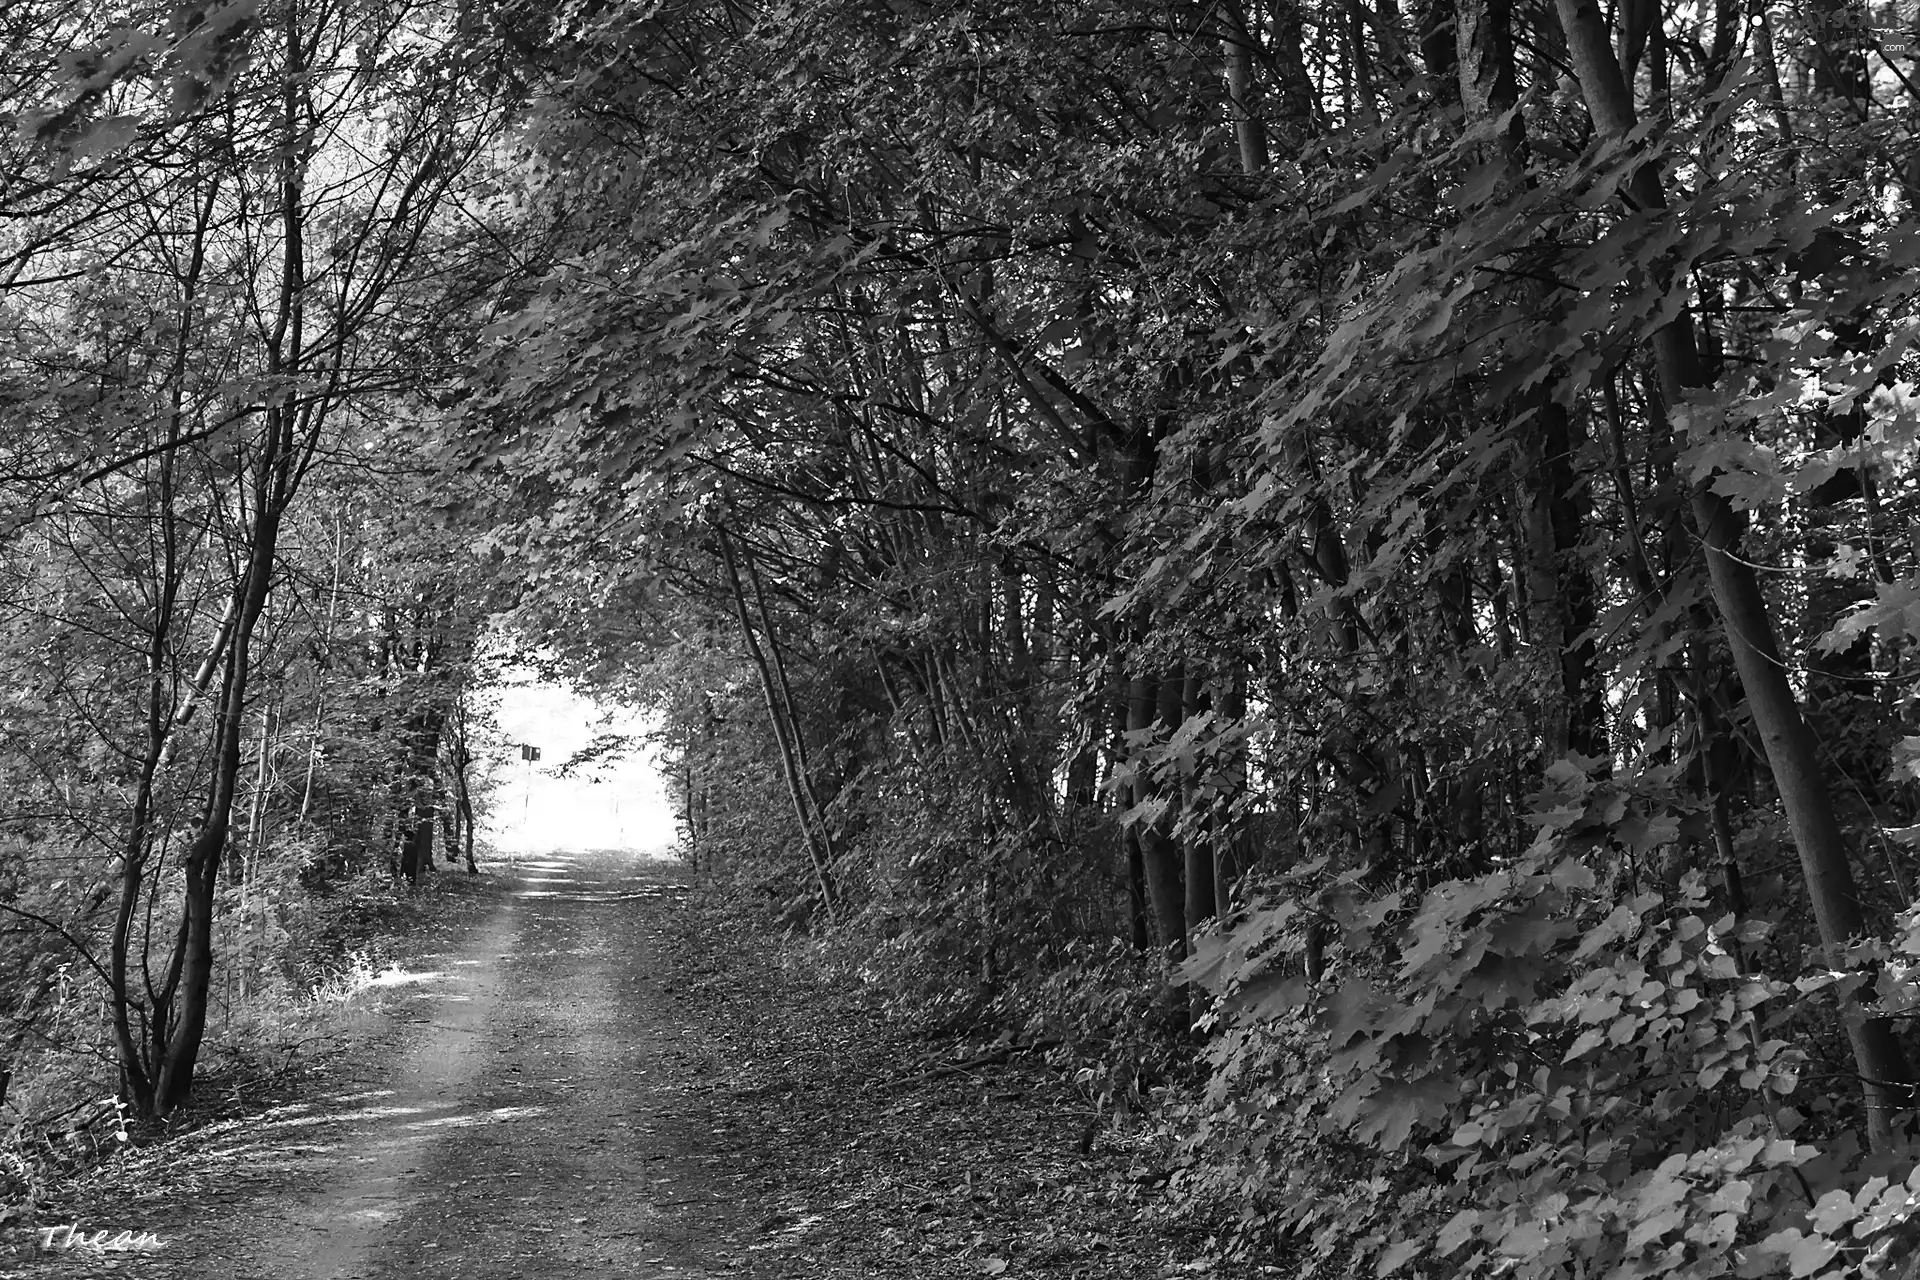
{"x": 1230, "y": 837}
{"x": 1160, "y": 860}
{"x": 1201, "y": 892}
{"x": 802, "y": 765}
{"x": 462, "y": 796}
{"x": 191, "y": 972}
{"x": 326, "y": 650}
{"x": 818, "y": 850}
{"x": 1791, "y": 751}
{"x": 181, "y": 1011}
{"x": 416, "y": 847}
{"x": 1560, "y": 589}
{"x": 249, "y": 851}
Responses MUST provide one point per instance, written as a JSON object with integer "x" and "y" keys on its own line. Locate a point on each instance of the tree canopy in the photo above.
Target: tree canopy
{"x": 1356, "y": 562}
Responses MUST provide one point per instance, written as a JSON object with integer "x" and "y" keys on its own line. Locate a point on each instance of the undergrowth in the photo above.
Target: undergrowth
{"x": 273, "y": 1013}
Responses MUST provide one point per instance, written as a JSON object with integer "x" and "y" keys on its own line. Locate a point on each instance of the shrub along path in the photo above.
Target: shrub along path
{"x": 596, "y": 1081}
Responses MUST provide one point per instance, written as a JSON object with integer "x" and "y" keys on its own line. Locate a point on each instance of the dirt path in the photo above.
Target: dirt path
{"x": 524, "y": 1107}
{"x": 596, "y": 1078}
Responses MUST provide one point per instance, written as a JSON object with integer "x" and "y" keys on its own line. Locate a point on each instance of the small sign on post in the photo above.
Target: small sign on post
{"x": 529, "y": 752}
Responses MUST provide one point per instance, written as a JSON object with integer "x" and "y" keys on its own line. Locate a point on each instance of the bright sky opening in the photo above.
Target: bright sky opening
{"x": 617, "y": 802}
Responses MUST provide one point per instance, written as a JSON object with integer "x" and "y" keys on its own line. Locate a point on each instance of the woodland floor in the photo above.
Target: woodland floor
{"x": 589, "y": 1079}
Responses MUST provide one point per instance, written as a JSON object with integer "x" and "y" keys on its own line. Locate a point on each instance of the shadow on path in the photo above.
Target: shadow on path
{"x": 525, "y": 1110}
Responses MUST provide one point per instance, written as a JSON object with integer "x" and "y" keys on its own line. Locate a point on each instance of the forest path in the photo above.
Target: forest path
{"x": 525, "y": 1111}
{"x": 590, "y": 1075}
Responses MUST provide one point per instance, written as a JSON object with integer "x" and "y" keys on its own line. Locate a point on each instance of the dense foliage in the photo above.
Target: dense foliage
{"x": 1351, "y": 565}
{"x": 236, "y": 640}
{"x": 1407, "y": 508}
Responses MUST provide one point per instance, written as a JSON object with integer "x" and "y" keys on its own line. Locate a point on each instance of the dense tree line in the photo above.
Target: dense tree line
{"x": 236, "y": 641}
{"x": 1363, "y": 551}
{"x": 1431, "y": 486}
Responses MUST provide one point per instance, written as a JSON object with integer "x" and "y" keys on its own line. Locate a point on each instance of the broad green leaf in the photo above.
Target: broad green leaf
{"x": 1397, "y": 1255}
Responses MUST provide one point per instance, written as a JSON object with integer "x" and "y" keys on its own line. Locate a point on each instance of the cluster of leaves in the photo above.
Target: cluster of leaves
{"x": 1535, "y": 1071}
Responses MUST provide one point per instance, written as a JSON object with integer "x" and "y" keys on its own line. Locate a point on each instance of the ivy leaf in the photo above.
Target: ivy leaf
{"x": 1805, "y": 1254}
{"x": 1834, "y": 1211}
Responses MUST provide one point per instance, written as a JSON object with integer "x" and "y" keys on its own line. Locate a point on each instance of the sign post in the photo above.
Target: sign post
{"x": 530, "y": 754}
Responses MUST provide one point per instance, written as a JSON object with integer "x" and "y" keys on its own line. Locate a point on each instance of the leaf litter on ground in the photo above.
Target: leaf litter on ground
{"x": 876, "y": 1153}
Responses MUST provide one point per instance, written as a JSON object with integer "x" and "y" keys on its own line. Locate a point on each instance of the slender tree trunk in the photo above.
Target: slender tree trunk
{"x": 319, "y": 692}
{"x": 1139, "y": 910}
{"x": 798, "y": 739}
{"x": 463, "y": 796}
{"x": 135, "y": 1080}
{"x": 162, "y": 718}
{"x": 190, "y": 980}
{"x": 276, "y": 476}
{"x": 1201, "y": 896}
{"x": 201, "y": 682}
{"x": 687, "y": 801}
{"x": 249, "y": 850}
{"x": 1230, "y": 836}
{"x": 815, "y": 840}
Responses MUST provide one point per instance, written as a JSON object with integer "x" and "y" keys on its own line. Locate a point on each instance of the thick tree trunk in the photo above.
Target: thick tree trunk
{"x": 1139, "y": 910}
{"x": 1160, "y": 860}
{"x": 1249, "y": 130}
{"x": 181, "y": 1007}
{"x": 191, "y": 972}
{"x": 423, "y": 745}
{"x": 1561, "y": 494}
{"x": 416, "y": 847}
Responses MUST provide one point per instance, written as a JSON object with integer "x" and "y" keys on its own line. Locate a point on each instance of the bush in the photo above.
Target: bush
{"x": 1537, "y": 1072}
